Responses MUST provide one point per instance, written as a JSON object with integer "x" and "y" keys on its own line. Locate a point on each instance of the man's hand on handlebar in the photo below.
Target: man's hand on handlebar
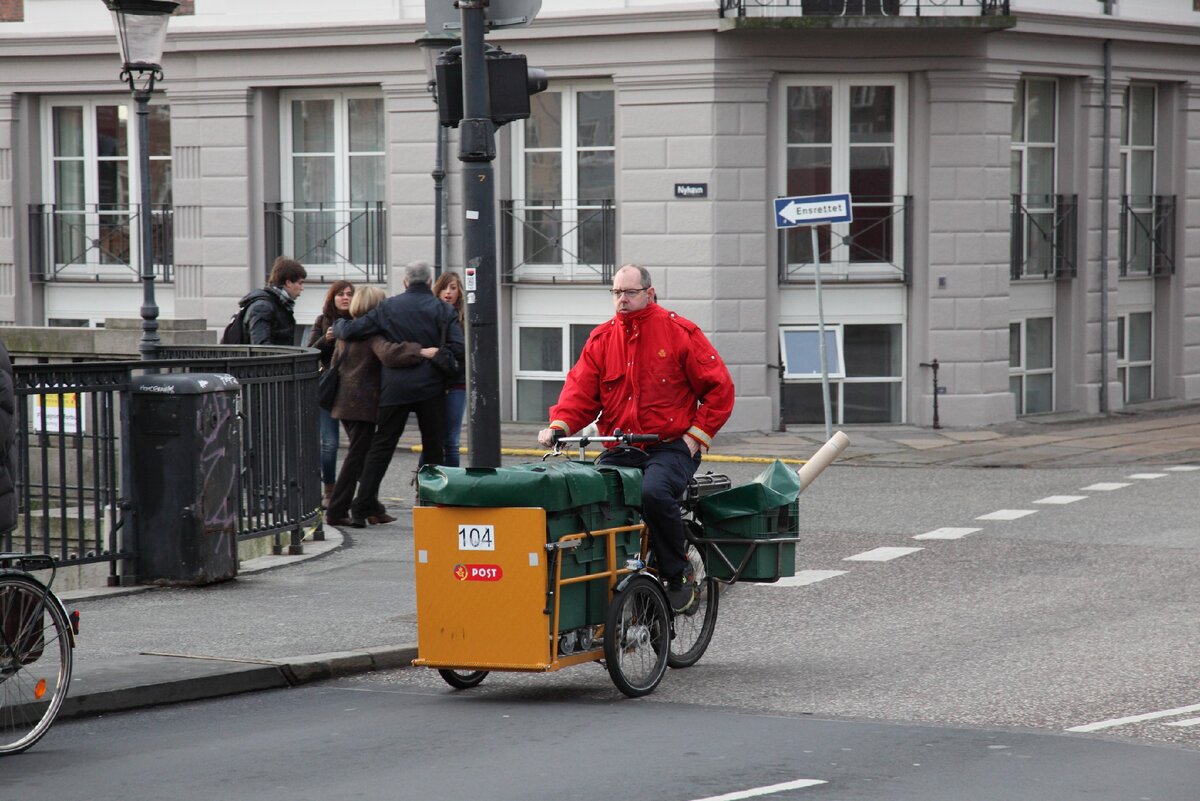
{"x": 547, "y": 436}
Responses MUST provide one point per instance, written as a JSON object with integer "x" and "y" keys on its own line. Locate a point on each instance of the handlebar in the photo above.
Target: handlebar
{"x": 617, "y": 437}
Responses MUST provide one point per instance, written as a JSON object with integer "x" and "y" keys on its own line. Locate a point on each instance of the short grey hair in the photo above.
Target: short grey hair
{"x": 643, "y": 273}
{"x": 418, "y": 272}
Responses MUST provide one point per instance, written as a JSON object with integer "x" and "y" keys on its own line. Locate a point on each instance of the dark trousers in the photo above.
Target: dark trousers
{"x": 359, "y": 433}
{"x": 430, "y": 414}
{"x": 666, "y": 469}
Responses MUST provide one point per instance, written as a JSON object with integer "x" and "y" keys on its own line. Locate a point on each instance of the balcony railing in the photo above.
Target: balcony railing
{"x": 863, "y": 8}
{"x": 95, "y": 242}
{"x": 1043, "y": 241}
{"x": 1147, "y": 235}
{"x": 332, "y": 240}
{"x": 554, "y": 242}
{"x": 876, "y": 246}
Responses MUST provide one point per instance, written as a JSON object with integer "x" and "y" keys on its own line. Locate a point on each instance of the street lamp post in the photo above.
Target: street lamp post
{"x": 433, "y": 45}
{"x": 142, "y": 31}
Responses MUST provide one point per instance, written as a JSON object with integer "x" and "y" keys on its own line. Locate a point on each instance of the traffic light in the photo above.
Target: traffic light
{"x": 510, "y": 83}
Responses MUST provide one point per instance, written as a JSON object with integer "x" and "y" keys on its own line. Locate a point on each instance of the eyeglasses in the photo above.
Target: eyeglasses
{"x": 629, "y": 293}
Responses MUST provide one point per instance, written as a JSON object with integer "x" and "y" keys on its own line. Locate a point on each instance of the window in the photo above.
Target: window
{"x": 91, "y": 223}
{"x": 1135, "y": 356}
{"x": 848, "y": 136}
{"x": 545, "y": 353}
{"x": 1031, "y": 364}
{"x": 866, "y": 368}
{"x": 562, "y": 225}
{"x": 1138, "y": 221}
{"x": 1036, "y": 212}
{"x": 333, "y": 173}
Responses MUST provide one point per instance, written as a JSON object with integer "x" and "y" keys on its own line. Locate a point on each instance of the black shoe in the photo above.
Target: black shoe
{"x": 683, "y": 593}
{"x": 357, "y": 522}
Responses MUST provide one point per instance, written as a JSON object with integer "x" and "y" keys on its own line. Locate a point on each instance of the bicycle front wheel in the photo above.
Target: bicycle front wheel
{"x": 35, "y": 662}
{"x": 637, "y": 637}
{"x": 694, "y": 628}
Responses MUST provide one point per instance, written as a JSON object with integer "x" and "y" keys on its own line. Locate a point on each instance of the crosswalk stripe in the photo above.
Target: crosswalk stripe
{"x": 770, "y": 789}
{"x": 1007, "y": 514}
{"x": 1106, "y": 486}
{"x": 946, "y": 533}
{"x": 1108, "y": 724}
{"x": 1187, "y": 722}
{"x": 881, "y": 554}
{"x": 1146, "y": 476}
{"x": 1183, "y": 468}
{"x": 1061, "y": 499}
{"x": 801, "y": 579}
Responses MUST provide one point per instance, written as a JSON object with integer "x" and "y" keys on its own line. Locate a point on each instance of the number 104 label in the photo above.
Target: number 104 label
{"x": 476, "y": 538}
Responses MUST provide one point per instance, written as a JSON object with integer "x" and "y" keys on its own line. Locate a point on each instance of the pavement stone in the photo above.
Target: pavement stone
{"x": 111, "y": 675}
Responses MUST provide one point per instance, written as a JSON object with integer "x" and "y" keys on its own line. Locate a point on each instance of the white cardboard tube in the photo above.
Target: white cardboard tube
{"x": 822, "y": 458}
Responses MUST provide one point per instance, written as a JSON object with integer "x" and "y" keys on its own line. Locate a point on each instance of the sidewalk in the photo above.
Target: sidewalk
{"x": 348, "y": 604}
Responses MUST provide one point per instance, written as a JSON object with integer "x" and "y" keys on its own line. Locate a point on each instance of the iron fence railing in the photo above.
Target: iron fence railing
{"x": 568, "y": 241}
{"x": 333, "y": 240}
{"x": 875, "y": 246}
{"x": 862, "y": 8}
{"x": 1044, "y": 233}
{"x": 1147, "y": 235}
{"x": 74, "y": 455}
{"x": 95, "y": 242}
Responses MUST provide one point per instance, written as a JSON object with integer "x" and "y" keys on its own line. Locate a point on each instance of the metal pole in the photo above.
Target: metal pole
{"x": 439, "y": 199}
{"x": 821, "y": 335}
{"x": 148, "y": 346}
{"x": 477, "y": 151}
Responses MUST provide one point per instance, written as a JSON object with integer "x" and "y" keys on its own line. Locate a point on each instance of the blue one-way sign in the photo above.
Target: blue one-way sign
{"x": 812, "y": 209}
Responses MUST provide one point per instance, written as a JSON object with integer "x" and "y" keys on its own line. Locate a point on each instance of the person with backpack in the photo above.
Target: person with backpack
{"x": 266, "y": 314}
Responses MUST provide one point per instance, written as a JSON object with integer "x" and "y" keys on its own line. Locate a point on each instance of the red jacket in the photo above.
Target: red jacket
{"x": 647, "y": 372}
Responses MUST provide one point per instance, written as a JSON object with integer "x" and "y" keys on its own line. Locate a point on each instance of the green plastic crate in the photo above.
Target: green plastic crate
{"x": 770, "y": 561}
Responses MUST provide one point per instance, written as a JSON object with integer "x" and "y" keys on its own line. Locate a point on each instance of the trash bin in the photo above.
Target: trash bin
{"x": 184, "y": 465}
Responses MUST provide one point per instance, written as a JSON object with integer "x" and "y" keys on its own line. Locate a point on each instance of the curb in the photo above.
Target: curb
{"x": 149, "y": 680}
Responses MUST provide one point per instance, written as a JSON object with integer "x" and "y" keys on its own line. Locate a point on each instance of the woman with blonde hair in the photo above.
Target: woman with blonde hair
{"x": 448, "y": 287}
{"x": 360, "y": 364}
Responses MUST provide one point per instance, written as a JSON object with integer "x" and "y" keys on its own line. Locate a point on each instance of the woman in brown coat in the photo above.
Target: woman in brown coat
{"x": 359, "y": 366}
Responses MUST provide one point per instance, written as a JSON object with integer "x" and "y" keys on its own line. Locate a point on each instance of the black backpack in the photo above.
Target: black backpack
{"x": 235, "y": 332}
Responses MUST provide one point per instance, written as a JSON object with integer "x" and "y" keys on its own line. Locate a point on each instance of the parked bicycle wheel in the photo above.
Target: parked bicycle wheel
{"x": 637, "y": 637}
{"x": 694, "y": 628}
{"x": 462, "y": 679}
{"x": 35, "y": 661}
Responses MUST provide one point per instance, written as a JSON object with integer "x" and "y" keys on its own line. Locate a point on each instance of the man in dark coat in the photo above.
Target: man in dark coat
{"x": 269, "y": 317}
{"x": 8, "y": 444}
{"x": 414, "y": 315}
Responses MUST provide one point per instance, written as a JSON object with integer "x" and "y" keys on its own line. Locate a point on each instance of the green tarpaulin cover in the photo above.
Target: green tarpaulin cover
{"x": 774, "y": 487}
{"x": 552, "y": 485}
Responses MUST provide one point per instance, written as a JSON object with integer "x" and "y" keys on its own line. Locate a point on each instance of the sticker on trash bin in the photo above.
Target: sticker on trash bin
{"x": 478, "y": 572}
{"x": 476, "y": 537}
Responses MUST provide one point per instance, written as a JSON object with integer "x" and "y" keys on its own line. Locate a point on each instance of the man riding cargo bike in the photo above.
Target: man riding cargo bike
{"x": 648, "y": 369}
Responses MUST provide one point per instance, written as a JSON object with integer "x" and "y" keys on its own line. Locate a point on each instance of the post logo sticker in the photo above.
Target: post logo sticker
{"x": 478, "y": 572}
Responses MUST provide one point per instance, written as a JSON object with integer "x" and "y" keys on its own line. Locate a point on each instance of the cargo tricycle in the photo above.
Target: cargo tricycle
{"x": 542, "y": 566}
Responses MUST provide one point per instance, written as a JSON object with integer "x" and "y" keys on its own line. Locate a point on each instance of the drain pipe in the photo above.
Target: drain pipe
{"x": 1105, "y": 163}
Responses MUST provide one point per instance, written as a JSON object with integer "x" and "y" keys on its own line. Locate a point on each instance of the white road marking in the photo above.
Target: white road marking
{"x": 801, "y": 578}
{"x": 1183, "y": 468}
{"x": 1146, "y": 476}
{"x": 881, "y": 554}
{"x": 1108, "y": 724}
{"x": 1061, "y": 499}
{"x": 770, "y": 789}
{"x": 1187, "y": 722}
{"x": 1106, "y": 486}
{"x": 946, "y": 533}
{"x": 1007, "y": 514}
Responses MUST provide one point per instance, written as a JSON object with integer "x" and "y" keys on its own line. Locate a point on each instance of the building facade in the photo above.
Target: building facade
{"x": 1024, "y": 175}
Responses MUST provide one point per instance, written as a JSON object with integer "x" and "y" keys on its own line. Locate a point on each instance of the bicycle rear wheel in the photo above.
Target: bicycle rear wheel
{"x": 35, "y": 661}
{"x": 694, "y": 629}
{"x": 637, "y": 637}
